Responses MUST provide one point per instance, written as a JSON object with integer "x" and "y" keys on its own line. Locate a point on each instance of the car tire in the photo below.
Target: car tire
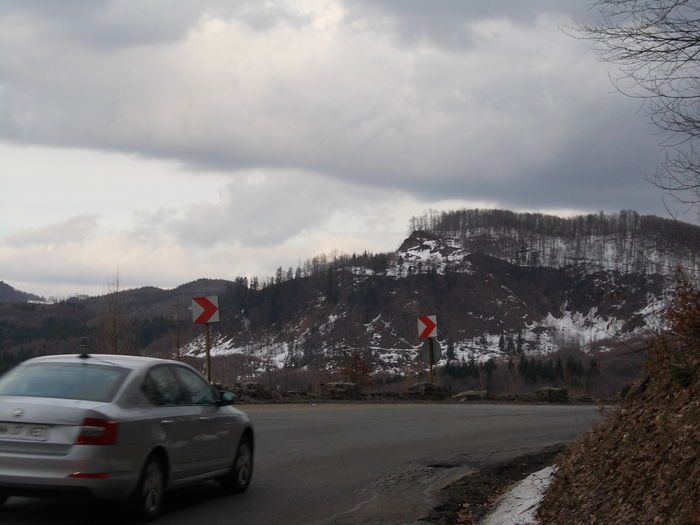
{"x": 147, "y": 499}
{"x": 238, "y": 478}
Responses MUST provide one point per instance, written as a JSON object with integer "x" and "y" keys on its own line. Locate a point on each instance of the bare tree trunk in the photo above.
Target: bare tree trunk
{"x": 115, "y": 335}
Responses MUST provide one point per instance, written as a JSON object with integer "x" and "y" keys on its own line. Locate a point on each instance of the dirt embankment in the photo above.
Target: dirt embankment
{"x": 642, "y": 464}
{"x": 639, "y": 466}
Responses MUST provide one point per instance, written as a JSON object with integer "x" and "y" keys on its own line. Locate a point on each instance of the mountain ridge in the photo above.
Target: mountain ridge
{"x": 503, "y": 285}
{"x": 8, "y": 294}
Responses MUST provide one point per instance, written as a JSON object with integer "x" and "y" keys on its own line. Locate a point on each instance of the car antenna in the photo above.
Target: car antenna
{"x": 83, "y": 348}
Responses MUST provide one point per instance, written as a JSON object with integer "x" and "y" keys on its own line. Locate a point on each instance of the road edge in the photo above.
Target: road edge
{"x": 467, "y": 500}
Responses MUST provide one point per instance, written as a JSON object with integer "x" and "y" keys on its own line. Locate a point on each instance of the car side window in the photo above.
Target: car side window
{"x": 197, "y": 391}
{"x": 151, "y": 391}
{"x": 161, "y": 388}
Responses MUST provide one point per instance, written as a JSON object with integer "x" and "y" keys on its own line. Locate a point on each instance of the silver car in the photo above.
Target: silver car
{"x": 119, "y": 428}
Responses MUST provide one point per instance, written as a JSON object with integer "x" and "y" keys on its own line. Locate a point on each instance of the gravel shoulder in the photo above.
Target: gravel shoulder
{"x": 469, "y": 499}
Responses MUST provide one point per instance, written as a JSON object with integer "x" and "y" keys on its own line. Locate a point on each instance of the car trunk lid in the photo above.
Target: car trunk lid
{"x": 43, "y": 425}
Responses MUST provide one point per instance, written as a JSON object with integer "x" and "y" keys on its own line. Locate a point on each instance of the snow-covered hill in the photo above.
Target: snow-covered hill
{"x": 503, "y": 284}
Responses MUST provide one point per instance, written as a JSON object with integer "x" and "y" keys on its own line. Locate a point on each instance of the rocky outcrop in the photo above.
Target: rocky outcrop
{"x": 340, "y": 391}
{"x": 470, "y": 395}
{"x": 552, "y": 395}
{"x": 428, "y": 391}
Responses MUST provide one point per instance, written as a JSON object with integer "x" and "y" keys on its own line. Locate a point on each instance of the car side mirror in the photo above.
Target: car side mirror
{"x": 227, "y": 398}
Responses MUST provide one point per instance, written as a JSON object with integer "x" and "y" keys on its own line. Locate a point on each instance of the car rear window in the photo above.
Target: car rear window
{"x": 64, "y": 380}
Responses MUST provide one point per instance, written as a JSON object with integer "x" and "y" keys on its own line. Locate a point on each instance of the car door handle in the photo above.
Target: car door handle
{"x": 204, "y": 418}
{"x": 167, "y": 422}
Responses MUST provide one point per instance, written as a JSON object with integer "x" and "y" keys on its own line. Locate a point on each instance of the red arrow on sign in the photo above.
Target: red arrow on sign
{"x": 427, "y": 325}
{"x": 205, "y": 309}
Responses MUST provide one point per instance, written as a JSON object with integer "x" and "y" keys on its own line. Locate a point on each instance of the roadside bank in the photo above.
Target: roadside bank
{"x": 468, "y": 500}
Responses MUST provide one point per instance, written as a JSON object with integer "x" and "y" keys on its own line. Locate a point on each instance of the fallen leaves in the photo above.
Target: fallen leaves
{"x": 641, "y": 464}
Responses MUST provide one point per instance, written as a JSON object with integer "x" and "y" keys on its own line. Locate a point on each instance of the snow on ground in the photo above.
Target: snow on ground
{"x": 590, "y": 327}
{"x": 431, "y": 255}
{"x": 360, "y": 270}
{"x": 538, "y": 338}
{"x": 519, "y": 504}
{"x": 653, "y": 313}
{"x": 272, "y": 353}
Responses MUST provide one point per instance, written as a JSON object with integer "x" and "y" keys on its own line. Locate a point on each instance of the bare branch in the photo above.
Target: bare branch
{"x": 656, "y": 44}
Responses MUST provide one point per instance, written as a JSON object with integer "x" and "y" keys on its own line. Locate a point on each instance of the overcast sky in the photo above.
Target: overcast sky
{"x": 171, "y": 140}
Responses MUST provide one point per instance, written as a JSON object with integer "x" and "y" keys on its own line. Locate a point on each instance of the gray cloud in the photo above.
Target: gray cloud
{"x": 447, "y": 23}
{"x": 477, "y": 100}
{"x": 73, "y": 229}
{"x": 110, "y": 24}
{"x": 265, "y": 209}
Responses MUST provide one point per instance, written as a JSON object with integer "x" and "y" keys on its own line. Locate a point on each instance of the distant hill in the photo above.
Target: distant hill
{"x": 506, "y": 287}
{"x": 9, "y": 295}
{"x": 626, "y": 242}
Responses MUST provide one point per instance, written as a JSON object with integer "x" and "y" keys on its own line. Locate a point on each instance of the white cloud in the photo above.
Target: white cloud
{"x": 225, "y": 238}
{"x": 324, "y": 96}
{"x": 229, "y": 138}
{"x": 41, "y": 185}
{"x": 266, "y": 207}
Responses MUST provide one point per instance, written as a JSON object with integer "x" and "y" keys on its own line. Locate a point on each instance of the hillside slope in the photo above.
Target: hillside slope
{"x": 8, "y": 294}
{"x": 501, "y": 284}
{"x": 504, "y": 286}
{"x": 641, "y": 465}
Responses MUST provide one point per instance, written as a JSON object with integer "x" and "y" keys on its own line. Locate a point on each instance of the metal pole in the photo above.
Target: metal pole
{"x": 430, "y": 357}
{"x": 177, "y": 337}
{"x": 207, "y": 345}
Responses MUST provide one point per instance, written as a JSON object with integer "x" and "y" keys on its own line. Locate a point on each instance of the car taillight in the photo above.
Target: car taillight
{"x": 97, "y": 432}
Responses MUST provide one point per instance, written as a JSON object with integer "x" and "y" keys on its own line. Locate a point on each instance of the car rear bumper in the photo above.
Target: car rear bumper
{"x": 82, "y": 471}
{"x": 109, "y": 488}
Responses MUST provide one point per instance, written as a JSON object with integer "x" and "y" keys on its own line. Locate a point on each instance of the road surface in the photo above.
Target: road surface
{"x": 345, "y": 464}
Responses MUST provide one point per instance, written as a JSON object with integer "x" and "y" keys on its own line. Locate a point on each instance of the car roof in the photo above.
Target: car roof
{"x": 126, "y": 361}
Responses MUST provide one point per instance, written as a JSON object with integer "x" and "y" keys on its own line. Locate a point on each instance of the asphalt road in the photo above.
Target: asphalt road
{"x": 346, "y": 464}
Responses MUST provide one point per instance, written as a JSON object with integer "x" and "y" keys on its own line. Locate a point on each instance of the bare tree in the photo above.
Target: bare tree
{"x": 656, "y": 43}
{"x": 114, "y": 334}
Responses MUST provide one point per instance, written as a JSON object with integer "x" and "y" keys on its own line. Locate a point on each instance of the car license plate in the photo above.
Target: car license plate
{"x": 24, "y": 431}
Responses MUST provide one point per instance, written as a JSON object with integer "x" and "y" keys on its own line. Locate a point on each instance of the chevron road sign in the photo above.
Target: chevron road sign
{"x": 427, "y": 326}
{"x": 205, "y": 309}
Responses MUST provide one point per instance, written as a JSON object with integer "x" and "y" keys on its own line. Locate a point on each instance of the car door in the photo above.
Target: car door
{"x": 214, "y": 435}
{"x": 177, "y": 418}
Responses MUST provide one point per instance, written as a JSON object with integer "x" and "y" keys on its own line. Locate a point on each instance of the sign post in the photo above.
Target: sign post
{"x": 430, "y": 359}
{"x": 427, "y": 329}
{"x": 205, "y": 310}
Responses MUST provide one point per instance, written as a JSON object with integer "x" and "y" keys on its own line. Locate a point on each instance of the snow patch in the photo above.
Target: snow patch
{"x": 519, "y": 504}
{"x": 590, "y": 327}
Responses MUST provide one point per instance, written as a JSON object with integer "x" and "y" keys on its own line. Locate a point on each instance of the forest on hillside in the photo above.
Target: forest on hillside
{"x": 468, "y": 222}
{"x": 624, "y": 241}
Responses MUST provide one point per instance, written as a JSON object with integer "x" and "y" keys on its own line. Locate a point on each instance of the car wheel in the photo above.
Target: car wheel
{"x": 147, "y": 500}
{"x": 238, "y": 478}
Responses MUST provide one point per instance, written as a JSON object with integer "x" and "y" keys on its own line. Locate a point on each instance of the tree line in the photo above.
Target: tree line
{"x": 466, "y": 222}
{"x": 624, "y": 241}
